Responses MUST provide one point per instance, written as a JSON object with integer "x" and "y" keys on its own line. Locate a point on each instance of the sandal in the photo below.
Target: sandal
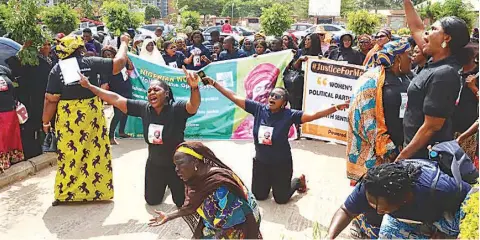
{"x": 303, "y": 184}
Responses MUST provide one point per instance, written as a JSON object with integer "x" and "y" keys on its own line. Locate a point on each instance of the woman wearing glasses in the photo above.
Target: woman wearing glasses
{"x": 172, "y": 57}
{"x": 383, "y": 37}
{"x": 272, "y": 165}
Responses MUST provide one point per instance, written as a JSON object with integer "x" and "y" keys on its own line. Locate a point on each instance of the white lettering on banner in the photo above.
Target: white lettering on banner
{"x": 328, "y": 83}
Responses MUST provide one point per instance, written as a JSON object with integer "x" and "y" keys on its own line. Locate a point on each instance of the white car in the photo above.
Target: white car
{"x": 330, "y": 28}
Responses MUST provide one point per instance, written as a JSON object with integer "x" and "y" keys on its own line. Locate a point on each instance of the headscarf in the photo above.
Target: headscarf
{"x": 387, "y": 32}
{"x": 386, "y": 56}
{"x": 155, "y": 56}
{"x": 263, "y": 72}
{"x": 366, "y": 37}
{"x": 68, "y": 45}
{"x": 259, "y": 36}
{"x": 369, "y": 143}
{"x": 198, "y": 189}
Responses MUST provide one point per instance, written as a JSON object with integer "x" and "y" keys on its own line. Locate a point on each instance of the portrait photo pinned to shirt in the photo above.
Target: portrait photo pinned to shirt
{"x": 3, "y": 84}
{"x": 265, "y": 135}
{"x": 155, "y": 134}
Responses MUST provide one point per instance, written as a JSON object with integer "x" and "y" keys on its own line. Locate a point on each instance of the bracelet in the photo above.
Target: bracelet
{"x": 214, "y": 82}
{"x": 47, "y": 125}
{"x": 336, "y": 108}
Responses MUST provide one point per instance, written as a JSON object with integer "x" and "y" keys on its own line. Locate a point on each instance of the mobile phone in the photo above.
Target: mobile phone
{"x": 201, "y": 74}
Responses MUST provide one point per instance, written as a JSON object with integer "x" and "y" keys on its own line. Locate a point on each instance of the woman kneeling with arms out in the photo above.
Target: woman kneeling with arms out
{"x": 227, "y": 209}
{"x": 272, "y": 165}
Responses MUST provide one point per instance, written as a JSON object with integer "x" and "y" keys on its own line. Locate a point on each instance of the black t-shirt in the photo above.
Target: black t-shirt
{"x": 433, "y": 92}
{"x": 162, "y": 132}
{"x": 175, "y": 61}
{"x": 466, "y": 111}
{"x": 91, "y": 67}
{"x": 7, "y": 96}
{"x": 392, "y": 100}
{"x": 117, "y": 84}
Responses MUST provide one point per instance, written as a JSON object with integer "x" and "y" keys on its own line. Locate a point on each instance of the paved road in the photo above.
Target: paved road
{"x": 26, "y": 211}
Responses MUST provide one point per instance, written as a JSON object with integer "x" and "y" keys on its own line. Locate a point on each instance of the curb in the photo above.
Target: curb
{"x": 24, "y": 169}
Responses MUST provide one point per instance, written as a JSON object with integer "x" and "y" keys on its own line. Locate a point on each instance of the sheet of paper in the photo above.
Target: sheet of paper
{"x": 70, "y": 69}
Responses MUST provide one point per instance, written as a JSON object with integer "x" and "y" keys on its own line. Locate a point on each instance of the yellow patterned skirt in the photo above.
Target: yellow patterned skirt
{"x": 84, "y": 164}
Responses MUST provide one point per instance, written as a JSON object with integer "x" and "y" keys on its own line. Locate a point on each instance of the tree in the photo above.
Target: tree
{"x": 152, "y": 12}
{"x": 4, "y": 14}
{"x": 204, "y": 7}
{"x": 61, "y": 19}
{"x": 22, "y": 25}
{"x": 118, "y": 18}
{"x": 363, "y": 22}
{"x": 299, "y": 8}
{"x": 276, "y": 19}
{"x": 348, "y": 6}
{"x": 190, "y": 18}
{"x": 457, "y": 8}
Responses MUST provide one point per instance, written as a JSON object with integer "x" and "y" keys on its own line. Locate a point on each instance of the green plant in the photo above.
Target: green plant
{"x": 459, "y": 8}
{"x": 469, "y": 225}
{"x": 4, "y": 14}
{"x": 61, "y": 19}
{"x": 152, "y": 12}
{"x": 22, "y": 25}
{"x": 403, "y": 32}
{"x": 190, "y": 18}
{"x": 276, "y": 19}
{"x": 363, "y": 22}
{"x": 118, "y": 17}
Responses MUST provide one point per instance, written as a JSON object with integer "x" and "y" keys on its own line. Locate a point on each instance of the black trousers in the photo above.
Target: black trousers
{"x": 277, "y": 177}
{"x": 118, "y": 116}
{"x": 157, "y": 178}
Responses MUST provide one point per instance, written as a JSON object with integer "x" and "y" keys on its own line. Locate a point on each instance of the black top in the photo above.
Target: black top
{"x": 346, "y": 54}
{"x": 162, "y": 132}
{"x": 7, "y": 93}
{"x": 466, "y": 111}
{"x": 90, "y": 67}
{"x": 118, "y": 84}
{"x": 433, "y": 92}
{"x": 392, "y": 101}
{"x": 175, "y": 61}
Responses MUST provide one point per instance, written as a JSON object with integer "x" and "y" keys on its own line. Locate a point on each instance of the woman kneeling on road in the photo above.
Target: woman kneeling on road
{"x": 218, "y": 205}
{"x": 272, "y": 165}
{"x": 164, "y": 124}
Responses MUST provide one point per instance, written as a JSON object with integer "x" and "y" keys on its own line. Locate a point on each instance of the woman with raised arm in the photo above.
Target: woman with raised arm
{"x": 272, "y": 165}
{"x": 164, "y": 122}
{"x": 433, "y": 92}
{"x": 84, "y": 164}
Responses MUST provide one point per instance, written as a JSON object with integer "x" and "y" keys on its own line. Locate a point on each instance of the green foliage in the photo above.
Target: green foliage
{"x": 61, "y": 19}
{"x": 403, "y": 32}
{"x": 152, "y": 12}
{"x": 276, "y": 19}
{"x": 204, "y": 7}
{"x": 190, "y": 18}
{"x": 299, "y": 8}
{"x": 248, "y": 8}
{"x": 457, "y": 8}
{"x": 469, "y": 225}
{"x": 4, "y": 14}
{"x": 362, "y": 21}
{"x": 348, "y": 6}
{"x": 22, "y": 24}
{"x": 118, "y": 18}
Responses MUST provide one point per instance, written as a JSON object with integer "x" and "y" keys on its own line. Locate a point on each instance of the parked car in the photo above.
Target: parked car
{"x": 237, "y": 31}
{"x": 333, "y": 29}
{"x": 298, "y": 27}
{"x": 8, "y": 49}
{"x": 167, "y": 29}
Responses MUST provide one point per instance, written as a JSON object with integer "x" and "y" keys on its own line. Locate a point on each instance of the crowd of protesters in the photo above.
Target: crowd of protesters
{"x": 436, "y": 73}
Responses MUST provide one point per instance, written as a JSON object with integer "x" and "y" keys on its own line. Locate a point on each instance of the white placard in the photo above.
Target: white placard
{"x": 328, "y": 8}
{"x": 70, "y": 70}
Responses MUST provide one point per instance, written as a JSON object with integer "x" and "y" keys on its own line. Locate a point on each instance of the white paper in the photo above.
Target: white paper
{"x": 155, "y": 132}
{"x": 173, "y": 64}
{"x": 403, "y": 106}
{"x": 124, "y": 74}
{"x": 70, "y": 69}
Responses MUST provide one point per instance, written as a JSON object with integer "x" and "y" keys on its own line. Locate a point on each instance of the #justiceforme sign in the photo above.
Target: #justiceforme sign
{"x": 328, "y": 83}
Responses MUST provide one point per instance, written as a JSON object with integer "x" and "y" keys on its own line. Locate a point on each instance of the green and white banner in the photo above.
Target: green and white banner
{"x": 217, "y": 118}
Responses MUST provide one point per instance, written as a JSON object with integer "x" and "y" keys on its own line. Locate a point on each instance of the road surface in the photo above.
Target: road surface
{"x": 26, "y": 211}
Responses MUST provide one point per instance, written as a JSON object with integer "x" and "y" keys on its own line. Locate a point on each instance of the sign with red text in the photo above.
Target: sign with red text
{"x": 328, "y": 83}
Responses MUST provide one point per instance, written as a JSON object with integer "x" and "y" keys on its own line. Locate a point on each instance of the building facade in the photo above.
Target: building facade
{"x": 161, "y": 4}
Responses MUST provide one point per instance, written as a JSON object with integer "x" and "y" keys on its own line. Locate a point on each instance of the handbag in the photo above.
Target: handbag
{"x": 294, "y": 80}
{"x": 50, "y": 142}
{"x": 22, "y": 113}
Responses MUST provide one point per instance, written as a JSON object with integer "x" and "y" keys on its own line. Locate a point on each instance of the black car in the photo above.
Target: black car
{"x": 8, "y": 49}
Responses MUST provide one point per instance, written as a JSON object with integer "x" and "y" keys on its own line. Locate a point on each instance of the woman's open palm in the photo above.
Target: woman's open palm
{"x": 159, "y": 220}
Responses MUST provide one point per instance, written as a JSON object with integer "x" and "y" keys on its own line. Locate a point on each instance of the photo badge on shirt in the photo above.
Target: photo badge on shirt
{"x": 3, "y": 85}
{"x": 173, "y": 64}
{"x": 403, "y": 106}
{"x": 155, "y": 134}
{"x": 265, "y": 135}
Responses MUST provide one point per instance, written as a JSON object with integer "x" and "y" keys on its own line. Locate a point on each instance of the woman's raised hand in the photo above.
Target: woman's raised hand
{"x": 84, "y": 81}
{"x": 192, "y": 78}
{"x": 161, "y": 219}
{"x": 343, "y": 105}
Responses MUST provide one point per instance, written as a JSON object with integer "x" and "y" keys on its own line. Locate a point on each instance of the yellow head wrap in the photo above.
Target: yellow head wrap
{"x": 190, "y": 152}
{"x": 68, "y": 45}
